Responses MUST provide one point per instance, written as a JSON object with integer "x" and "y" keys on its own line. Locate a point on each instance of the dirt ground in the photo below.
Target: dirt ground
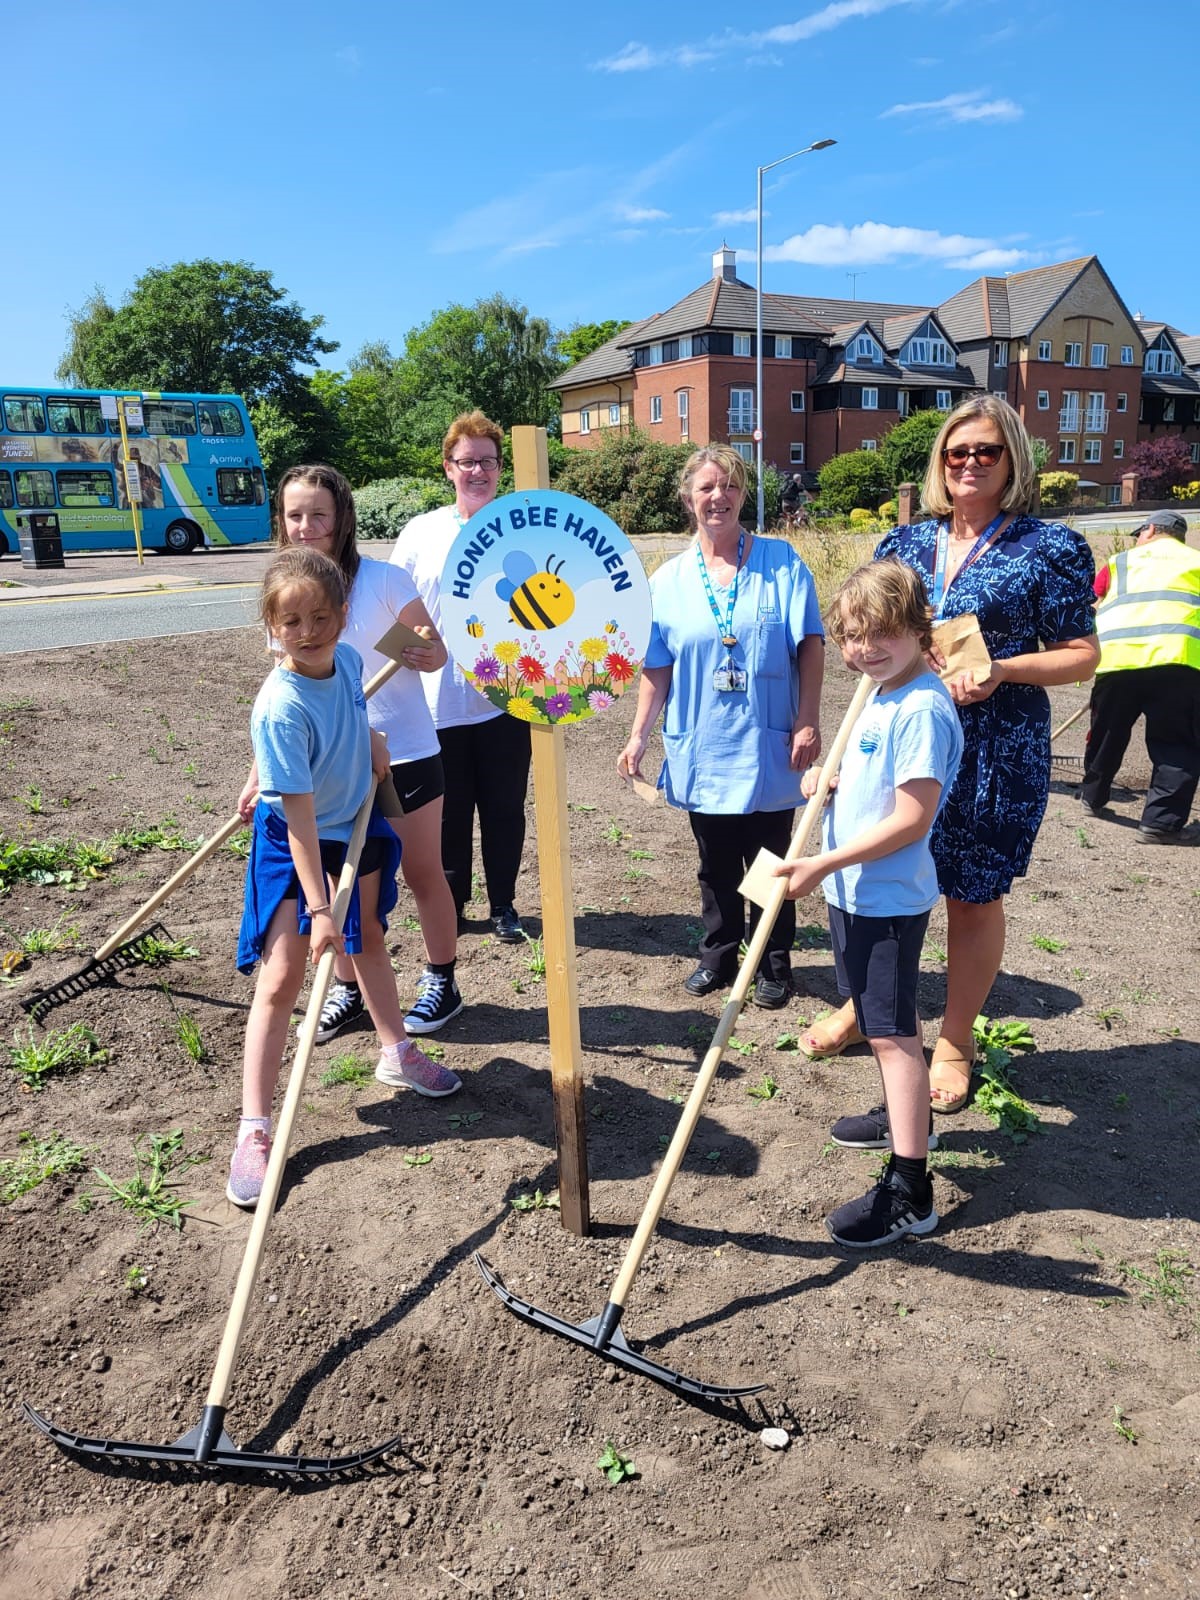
{"x": 1009, "y": 1408}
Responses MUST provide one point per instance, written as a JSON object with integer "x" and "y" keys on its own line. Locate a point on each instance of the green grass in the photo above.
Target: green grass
{"x": 535, "y": 957}
{"x": 1168, "y": 1282}
{"x": 38, "y": 1058}
{"x": 1044, "y": 941}
{"x": 52, "y": 1157}
{"x": 159, "y": 1161}
{"x": 45, "y": 941}
{"x": 188, "y": 1034}
{"x": 349, "y": 1069}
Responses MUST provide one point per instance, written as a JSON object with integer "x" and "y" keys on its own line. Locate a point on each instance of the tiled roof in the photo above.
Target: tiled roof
{"x": 721, "y": 304}
{"x": 606, "y": 361}
{"x": 1189, "y": 348}
{"x": 1011, "y": 307}
{"x": 833, "y": 312}
{"x": 890, "y": 371}
{"x": 898, "y": 330}
{"x": 1162, "y": 383}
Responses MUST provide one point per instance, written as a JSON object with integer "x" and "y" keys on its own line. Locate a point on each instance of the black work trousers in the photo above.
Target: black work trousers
{"x": 728, "y": 844}
{"x": 487, "y": 770}
{"x": 1169, "y": 699}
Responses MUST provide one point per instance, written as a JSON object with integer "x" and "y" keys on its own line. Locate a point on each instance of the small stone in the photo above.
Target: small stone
{"x": 100, "y": 1362}
{"x": 775, "y": 1438}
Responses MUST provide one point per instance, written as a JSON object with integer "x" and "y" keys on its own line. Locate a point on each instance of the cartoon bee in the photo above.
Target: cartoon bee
{"x": 475, "y": 627}
{"x": 535, "y": 599}
{"x": 611, "y": 626}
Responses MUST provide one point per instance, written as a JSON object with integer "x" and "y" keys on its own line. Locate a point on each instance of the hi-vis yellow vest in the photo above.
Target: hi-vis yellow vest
{"x": 1150, "y": 616}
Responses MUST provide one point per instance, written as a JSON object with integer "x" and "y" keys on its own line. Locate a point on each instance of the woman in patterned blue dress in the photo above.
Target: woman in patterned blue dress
{"x": 1030, "y": 585}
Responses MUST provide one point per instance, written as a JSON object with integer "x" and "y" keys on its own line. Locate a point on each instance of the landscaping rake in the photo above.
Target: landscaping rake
{"x": 207, "y": 1444}
{"x": 602, "y": 1334}
{"x": 122, "y": 950}
{"x": 1067, "y": 761}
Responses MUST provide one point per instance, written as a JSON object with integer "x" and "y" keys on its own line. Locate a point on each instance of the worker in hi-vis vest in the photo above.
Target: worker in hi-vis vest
{"x": 1148, "y": 620}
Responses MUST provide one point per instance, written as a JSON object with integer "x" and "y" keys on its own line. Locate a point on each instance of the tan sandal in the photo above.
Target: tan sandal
{"x": 949, "y": 1078}
{"x": 830, "y": 1037}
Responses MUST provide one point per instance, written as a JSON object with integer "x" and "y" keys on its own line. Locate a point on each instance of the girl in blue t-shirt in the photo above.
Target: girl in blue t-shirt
{"x": 314, "y": 753}
{"x": 880, "y": 882}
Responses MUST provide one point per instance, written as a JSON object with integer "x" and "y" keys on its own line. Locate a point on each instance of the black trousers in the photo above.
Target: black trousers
{"x": 728, "y": 844}
{"x": 487, "y": 770}
{"x": 1169, "y": 699}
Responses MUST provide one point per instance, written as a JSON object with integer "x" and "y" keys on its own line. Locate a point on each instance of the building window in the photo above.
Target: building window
{"x": 1195, "y": 453}
{"x": 1073, "y": 356}
{"x": 927, "y": 353}
{"x": 585, "y": 422}
{"x": 865, "y": 349}
{"x": 1114, "y": 494}
{"x": 1000, "y": 394}
{"x": 1044, "y": 352}
{"x": 797, "y": 399}
{"x": 741, "y": 344}
{"x": 1099, "y": 355}
{"x": 654, "y": 356}
{"x": 796, "y": 455}
{"x": 783, "y": 346}
{"x": 741, "y": 410}
{"x": 681, "y": 401}
{"x": 1126, "y": 355}
{"x": 1043, "y": 400}
{"x": 1066, "y": 449}
{"x": 1068, "y": 417}
{"x": 1168, "y": 411}
{"x": 943, "y": 399}
{"x": 1164, "y": 362}
{"x": 685, "y": 347}
{"x": 1122, "y": 402}
{"x": 870, "y": 399}
{"x": 1091, "y": 450}
{"x": 746, "y": 451}
{"x": 1000, "y": 353}
{"x": 1118, "y": 449}
{"x": 656, "y": 408}
{"x": 870, "y": 444}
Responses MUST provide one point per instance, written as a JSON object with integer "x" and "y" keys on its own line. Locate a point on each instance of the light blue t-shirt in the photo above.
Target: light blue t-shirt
{"x": 904, "y": 734}
{"x": 311, "y": 736}
{"x": 729, "y": 753}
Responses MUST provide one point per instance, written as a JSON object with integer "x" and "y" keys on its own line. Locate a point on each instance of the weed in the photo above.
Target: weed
{"x": 155, "y": 952}
{"x": 1168, "y": 1282}
{"x": 37, "y": 1059}
{"x": 712, "y": 1155}
{"x": 944, "y": 1159}
{"x": 465, "y": 1119}
{"x": 159, "y": 1160}
{"x": 535, "y": 957}
{"x": 1081, "y": 836}
{"x": 40, "y": 1159}
{"x": 641, "y": 855}
{"x": 614, "y": 833}
{"x": 156, "y": 836}
{"x": 1122, "y": 1425}
{"x": 996, "y": 1043}
{"x": 1166, "y": 1033}
{"x": 693, "y": 933}
{"x": 349, "y": 1069}
{"x": 618, "y": 1016}
{"x": 188, "y": 1034}
{"x": 788, "y": 1041}
{"x": 32, "y": 801}
{"x": 435, "y": 1051}
{"x": 137, "y": 1279}
{"x": 766, "y": 1090}
{"x": 1107, "y": 1015}
{"x": 574, "y": 806}
{"x": 634, "y": 875}
{"x": 811, "y": 936}
{"x": 412, "y": 925}
{"x": 1044, "y": 941}
{"x": 615, "y": 1465}
{"x": 50, "y": 861}
{"x": 537, "y": 1201}
{"x": 418, "y": 1158}
{"x": 1120, "y": 1101}
{"x": 239, "y": 843}
{"x": 901, "y": 1309}
{"x": 45, "y": 941}
{"x": 744, "y": 1047}
{"x": 933, "y": 952}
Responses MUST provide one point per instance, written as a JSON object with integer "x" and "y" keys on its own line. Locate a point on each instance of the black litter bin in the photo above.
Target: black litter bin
{"x": 41, "y": 539}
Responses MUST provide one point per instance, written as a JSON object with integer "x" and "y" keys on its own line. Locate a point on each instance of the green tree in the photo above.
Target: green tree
{"x": 853, "y": 480}
{"x": 632, "y": 477}
{"x": 212, "y": 326}
{"x": 904, "y": 449}
{"x": 585, "y": 337}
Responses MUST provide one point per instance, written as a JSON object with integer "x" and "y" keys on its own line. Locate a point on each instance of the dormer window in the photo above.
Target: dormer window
{"x": 864, "y": 348}
{"x": 928, "y": 353}
{"x": 1163, "y": 361}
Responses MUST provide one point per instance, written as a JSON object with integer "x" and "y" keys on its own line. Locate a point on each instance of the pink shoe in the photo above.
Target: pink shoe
{"x": 248, "y": 1170}
{"x": 406, "y": 1067}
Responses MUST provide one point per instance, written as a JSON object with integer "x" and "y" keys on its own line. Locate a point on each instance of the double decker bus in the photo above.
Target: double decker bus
{"x": 198, "y": 466}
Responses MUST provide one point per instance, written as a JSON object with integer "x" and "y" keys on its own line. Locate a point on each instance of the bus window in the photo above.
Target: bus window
{"x": 6, "y": 494}
{"x": 23, "y": 414}
{"x": 75, "y": 414}
{"x": 240, "y": 486}
{"x": 35, "y": 490}
{"x": 219, "y": 417}
{"x": 92, "y": 487}
{"x": 170, "y": 416}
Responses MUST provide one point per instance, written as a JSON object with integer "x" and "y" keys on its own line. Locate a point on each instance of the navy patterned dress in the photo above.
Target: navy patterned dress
{"x": 1033, "y": 585}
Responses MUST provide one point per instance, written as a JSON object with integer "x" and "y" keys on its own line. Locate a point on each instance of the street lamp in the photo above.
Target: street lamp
{"x": 820, "y": 144}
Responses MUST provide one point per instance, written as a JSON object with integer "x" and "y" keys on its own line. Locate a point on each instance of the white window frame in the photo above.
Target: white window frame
{"x": 614, "y": 414}
{"x": 655, "y": 356}
{"x": 1194, "y": 450}
{"x": 798, "y": 395}
{"x": 681, "y": 405}
{"x": 746, "y": 451}
{"x": 1045, "y": 350}
{"x": 865, "y": 349}
{"x": 1000, "y": 394}
{"x": 1126, "y": 355}
{"x": 585, "y": 420}
{"x": 1043, "y": 399}
{"x": 1066, "y": 451}
{"x": 742, "y": 344}
{"x": 1168, "y": 414}
{"x": 943, "y": 399}
{"x": 1118, "y": 449}
{"x": 870, "y": 399}
{"x": 685, "y": 347}
{"x": 1163, "y": 362}
{"x": 796, "y": 454}
{"x": 656, "y": 408}
{"x": 1100, "y": 360}
{"x": 870, "y": 445}
{"x": 1073, "y": 354}
{"x": 1122, "y": 402}
{"x": 1000, "y": 353}
{"x": 1093, "y": 450}
{"x": 783, "y": 346}
{"x": 741, "y": 408}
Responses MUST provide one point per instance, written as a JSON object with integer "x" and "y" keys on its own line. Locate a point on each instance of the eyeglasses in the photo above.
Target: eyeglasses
{"x": 469, "y": 463}
{"x": 986, "y": 455}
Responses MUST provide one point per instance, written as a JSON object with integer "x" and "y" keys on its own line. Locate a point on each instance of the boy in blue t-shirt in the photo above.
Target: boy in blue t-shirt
{"x": 879, "y": 879}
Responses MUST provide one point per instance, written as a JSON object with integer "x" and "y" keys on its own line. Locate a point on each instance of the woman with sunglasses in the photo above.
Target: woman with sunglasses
{"x": 1030, "y": 585}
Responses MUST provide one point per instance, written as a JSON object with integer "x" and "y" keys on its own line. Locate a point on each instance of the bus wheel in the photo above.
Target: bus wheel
{"x": 181, "y": 538}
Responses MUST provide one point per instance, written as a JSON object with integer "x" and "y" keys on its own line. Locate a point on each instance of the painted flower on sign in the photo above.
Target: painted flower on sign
{"x": 487, "y": 671}
{"x": 599, "y": 701}
{"x": 620, "y": 669}
{"x": 507, "y": 651}
{"x": 558, "y": 705}
{"x": 531, "y": 669}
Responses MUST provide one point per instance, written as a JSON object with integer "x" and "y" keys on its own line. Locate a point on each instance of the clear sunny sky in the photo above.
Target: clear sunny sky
{"x": 383, "y": 160}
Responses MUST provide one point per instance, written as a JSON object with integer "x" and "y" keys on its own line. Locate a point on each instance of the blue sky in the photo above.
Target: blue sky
{"x": 384, "y": 160}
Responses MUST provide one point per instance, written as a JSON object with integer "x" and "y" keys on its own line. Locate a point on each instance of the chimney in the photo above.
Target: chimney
{"x": 724, "y": 264}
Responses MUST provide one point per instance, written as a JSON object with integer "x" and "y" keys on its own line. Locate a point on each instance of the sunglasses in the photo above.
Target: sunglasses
{"x": 986, "y": 455}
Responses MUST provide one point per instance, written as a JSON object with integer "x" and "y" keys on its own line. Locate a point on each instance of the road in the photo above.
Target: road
{"x": 56, "y": 622}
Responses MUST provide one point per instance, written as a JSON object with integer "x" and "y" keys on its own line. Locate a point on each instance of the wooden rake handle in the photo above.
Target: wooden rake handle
{"x": 227, "y": 1354}
{"x": 690, "y": 1116}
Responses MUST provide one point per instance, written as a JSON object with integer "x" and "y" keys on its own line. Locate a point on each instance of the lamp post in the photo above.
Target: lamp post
{"x": 820, "y": 144}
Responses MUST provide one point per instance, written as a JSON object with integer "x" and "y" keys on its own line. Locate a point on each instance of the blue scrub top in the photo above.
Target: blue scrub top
{"x": 729, "y": 753}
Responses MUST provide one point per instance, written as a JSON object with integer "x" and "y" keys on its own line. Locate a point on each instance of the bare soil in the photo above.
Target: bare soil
{"x": 952, "y": 1404}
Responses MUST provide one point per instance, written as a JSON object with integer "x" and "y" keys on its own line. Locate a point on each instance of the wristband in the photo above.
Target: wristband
{"x": 315, "y": 911}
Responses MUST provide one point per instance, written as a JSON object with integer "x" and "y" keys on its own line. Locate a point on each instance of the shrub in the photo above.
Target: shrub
{"x": 1187, "y": 491}
{"x": 856, "y": 479}
{"x": 1059, "y": 488}
{"x": 632, "y": 478}
{"x": 386, "y": 507}
{"x": 1160, "y": 464}
{"x": 889, "y": 511}
{"x": 861, "y": 519}
{"x": 905, "y": 448}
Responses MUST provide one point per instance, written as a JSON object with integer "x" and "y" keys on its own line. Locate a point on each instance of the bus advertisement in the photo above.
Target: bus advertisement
{"x": 199, "y": 474}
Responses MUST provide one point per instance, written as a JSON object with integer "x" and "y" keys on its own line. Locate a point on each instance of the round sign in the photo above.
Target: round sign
{"x": 545, "y": 606}
{"x": 757, "y": 435}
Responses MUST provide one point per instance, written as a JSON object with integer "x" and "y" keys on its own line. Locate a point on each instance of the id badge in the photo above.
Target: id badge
{"x": 729, "y": 680}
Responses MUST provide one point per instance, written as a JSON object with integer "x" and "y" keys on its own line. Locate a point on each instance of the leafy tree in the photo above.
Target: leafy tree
{"x": 856, "y": 479}
{"x": 212, "y": 326}
{"x": 631, "y": 477}
{"x": 1160, "y": 464}
{"x": 904, "y": 449}
{"x": 585, "y": 337}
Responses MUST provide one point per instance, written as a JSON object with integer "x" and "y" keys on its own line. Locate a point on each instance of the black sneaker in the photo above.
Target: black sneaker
{"x": 506, "y": 925}
{"x": 882, "y": 1215}
{"x": 703, "y": 981}
{"x": 771, "y": 993}
{"x": 1089, "y": 810}
{"x": 870, "y": 1131}
{"x": 1180, "y": 836}
{"x": 437, "y": 1001}
{"x": 343, "y": 1005}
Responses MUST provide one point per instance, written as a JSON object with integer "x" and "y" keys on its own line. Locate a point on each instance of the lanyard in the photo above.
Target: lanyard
{"x": 937, "y": 593}
{"x": 728, "y": 637}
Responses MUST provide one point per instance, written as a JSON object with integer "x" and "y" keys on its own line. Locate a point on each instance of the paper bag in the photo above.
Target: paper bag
{"x": 960, "y": 641}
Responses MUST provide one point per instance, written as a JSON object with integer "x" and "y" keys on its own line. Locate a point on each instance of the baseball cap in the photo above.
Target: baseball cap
{"x": 1169, "y": 522}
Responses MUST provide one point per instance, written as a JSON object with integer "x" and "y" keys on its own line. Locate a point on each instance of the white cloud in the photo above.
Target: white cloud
{"x": 629, "y": 213}
{"x": 964, "y": 107}
{"x": 879, "y": 244}
{"x": 638, "y": 57}
{"x": 349, "y": 57}
{"x": 728, "y": 218}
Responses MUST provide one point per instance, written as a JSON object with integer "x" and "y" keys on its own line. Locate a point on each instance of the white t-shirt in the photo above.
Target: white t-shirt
{"x": 422, "y": 550}
{"x": 398, "y": 709}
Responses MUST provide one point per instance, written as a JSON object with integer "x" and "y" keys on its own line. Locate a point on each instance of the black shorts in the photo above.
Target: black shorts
{"x": 418, "y": 782}
{"x": 333, "y": 853}
{"x": 878, "y": 960}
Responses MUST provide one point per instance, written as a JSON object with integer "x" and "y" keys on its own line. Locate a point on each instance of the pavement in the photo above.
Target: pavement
{"x": 118, "y": 573}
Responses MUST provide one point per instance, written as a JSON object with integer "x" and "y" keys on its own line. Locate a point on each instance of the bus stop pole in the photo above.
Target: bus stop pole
{"x": 134, "y": 500}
